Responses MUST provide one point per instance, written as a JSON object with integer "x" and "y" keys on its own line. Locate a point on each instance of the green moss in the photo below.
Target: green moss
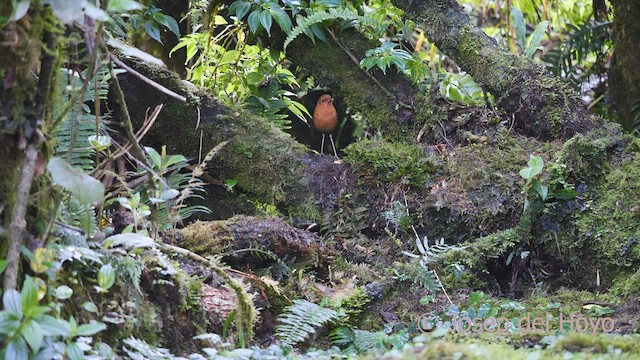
{"x": 625, "y": 285}
{"x": 608, "y": 233}
{"x": 586, "y": 156}
{"x": 390, "y": 162}
{"x": 601, "y": 344}
{"x": 307, "y": 210}
{"x": 207, "y": 237}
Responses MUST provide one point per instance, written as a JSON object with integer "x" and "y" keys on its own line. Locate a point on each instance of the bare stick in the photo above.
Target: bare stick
{"x": 146, "y": 79}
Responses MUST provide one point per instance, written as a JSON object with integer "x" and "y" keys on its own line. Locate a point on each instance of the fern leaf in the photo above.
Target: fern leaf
{"x": 301, "y": 320}
{"x": 305, "y": 24}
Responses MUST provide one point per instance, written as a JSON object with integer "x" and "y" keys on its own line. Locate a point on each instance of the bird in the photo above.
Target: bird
{"x": 325, "y": 120}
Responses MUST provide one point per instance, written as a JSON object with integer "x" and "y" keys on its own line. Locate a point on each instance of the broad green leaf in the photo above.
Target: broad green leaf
{"x": 74, "y": 352}
{"x": 11, "y": 302}
{"x": 90, "y": 329}
{"x": 154, "y": 156}
{"x": 266, "y": 20}
{"x": 536, "y": 164}
{"x": 51, "y": 326}
{"x": 542, "y": 190}
{"x": 240, "y": 8}
{"x": 3, "y": 265}
{"x": 84, "y": 187}
{"x": 63, "y": 292}
{"x": 316, "y": 29}
{"x": 484, "y": 310}
{"x": 153, "y": 31}
{"x": 174, "y": 159}
{"x": 254, "y": 21}
{"x": 17, "y": 350}
{"x": 9, "y": 322}
{"x": 535, "y": 39}
{"x": 90, "y": 307}
{"x": 32, "y": 334}
{"x": 281, "y": 17}
{"x": 167, "y": 21}
{"x": 20, "y": 10}
{"x": 122, "y": 6}
{"x": 106, "y": 276}
{"x": 129, "y": 240}
{"x": 519, "y": 25}
{"x": 29, "y": 295}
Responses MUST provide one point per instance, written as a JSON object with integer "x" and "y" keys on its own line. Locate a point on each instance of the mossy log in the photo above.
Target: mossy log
{"x": 265, "y": 161}
{"x": 542, "y": 105}
{"x": 253, "y": 241}
{"x": 470, "y": 190}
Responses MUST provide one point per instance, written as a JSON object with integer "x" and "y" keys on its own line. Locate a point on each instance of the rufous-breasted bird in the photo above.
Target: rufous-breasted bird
{"x": 325, "y": 120}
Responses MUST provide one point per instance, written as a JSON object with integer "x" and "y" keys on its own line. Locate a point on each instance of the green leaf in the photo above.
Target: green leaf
{"x": 519, "y": 25}
{"x": 90, "y": 329}
{"x": 153, "y": 30}
{"x": 51, "y": 326}
{"x": 9, "y": 322}
{"x": 565, "y": 194}
{"x": 20, "y": 10}
{"x": 129, "y": 240}
{"x": 542, "y": 190}
{"x": 169, "y": 22}
{"x": 316, "y": 29}
{"x": 154, "y": 156}
{"x": 32, "y": 334}
{"x": 266, "y": 20}
{"x": 16, "y": 350}
{"x": 254, "y": 21}
{"x": 3, "y": 265}
{"x": 536, "y": 164}
{"x": 535, "y": 39}
{"x": 90, "y": 307}
{"x": 74, "y": 352}
{"x": 29, "y": 295}
{"x": 122, "y": 6}
{"x": 484, "y": 310}
{"x": 84, "y": 187}
{"x": 63, "y": 292}
{"x": 281, "y": 17}
{"x": 106, "y": 276}
{"x": 240, "y": 8}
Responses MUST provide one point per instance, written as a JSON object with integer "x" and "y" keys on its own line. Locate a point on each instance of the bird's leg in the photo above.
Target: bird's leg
{"x": 333, "y": 145}
{"x": 322, "y": 146}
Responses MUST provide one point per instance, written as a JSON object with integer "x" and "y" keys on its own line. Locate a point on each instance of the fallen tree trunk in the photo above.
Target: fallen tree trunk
{"x": 542, "y": 106}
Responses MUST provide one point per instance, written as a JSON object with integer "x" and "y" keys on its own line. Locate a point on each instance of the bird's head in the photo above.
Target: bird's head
{"x": 325, "y": 100}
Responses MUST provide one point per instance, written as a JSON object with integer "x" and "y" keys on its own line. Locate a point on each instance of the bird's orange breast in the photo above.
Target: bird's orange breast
{"x": 325, "y": 118}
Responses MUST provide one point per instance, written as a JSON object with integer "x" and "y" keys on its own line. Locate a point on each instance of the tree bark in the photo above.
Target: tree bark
{"x": 624, "y": 76}
{"x": 542, "y": 105}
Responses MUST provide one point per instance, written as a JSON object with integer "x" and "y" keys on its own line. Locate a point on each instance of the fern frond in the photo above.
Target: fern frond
{"x": 585, "y": 40}
{"x": 301, "y": 320}
{"x": 305, "y": 23}
{"x": 427, "y": 279}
